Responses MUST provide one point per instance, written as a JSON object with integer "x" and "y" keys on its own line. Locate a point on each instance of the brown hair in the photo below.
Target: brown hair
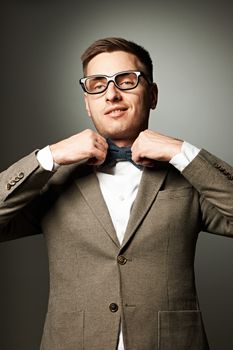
{"x": 118, "y": 44}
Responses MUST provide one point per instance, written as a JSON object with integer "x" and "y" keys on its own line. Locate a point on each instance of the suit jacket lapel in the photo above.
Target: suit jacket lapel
{"x": 89, "y": 186}
{"x": 151, "y": 182}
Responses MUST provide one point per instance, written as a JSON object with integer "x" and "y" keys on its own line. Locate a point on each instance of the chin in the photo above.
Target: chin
{"x": 116, "y": 134}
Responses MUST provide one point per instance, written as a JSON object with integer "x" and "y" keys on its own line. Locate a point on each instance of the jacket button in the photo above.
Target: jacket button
{"x": 12, "y": 182}
{"x": 113, "y": 307}
{"x": 121, "y": 260}
{"x": 21, "y": 175}
{"x": 8, "y": 187}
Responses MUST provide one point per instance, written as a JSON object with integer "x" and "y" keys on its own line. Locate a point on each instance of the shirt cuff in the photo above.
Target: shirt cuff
{"x": 187, "y": 154}
{"x": 45, "y": 158}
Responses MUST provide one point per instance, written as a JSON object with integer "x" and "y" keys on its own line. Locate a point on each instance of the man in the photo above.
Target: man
{"x": 120, "y": 231}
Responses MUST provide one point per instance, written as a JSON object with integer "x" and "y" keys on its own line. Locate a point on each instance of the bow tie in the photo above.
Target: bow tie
{"x": 116, "y": 153}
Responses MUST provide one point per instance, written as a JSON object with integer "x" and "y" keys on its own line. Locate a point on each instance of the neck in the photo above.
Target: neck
{"x": 122, "y": 142}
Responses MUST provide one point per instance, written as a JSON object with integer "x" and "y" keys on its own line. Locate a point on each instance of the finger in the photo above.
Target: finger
{"x": 101, "y": 139}
{"x": 97, "y": 156}
{"x": 136, "y": 155}
{"x": 100, "y": 145}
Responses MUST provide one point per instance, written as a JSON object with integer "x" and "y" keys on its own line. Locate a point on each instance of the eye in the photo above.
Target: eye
{"x": 127, "y": 81}
{"x": 96, "y": 84}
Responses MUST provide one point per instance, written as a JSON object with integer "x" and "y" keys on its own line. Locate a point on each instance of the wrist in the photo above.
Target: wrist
{"x": 187, "y": 154}
{"x": 45, "y": 159}
{"x": 176, "y": 149}
{"x": 57, "y": 160}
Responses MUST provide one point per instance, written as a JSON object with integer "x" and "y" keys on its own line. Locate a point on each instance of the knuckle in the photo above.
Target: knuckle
{"x": 135, "y": 155}
{"x": 92, "y": 150}
{"x": 89, "y": 132}
{"x": 134, "y": 158}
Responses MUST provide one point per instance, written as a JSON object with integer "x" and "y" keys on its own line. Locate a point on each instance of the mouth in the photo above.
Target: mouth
{"x": 116, "y": 111}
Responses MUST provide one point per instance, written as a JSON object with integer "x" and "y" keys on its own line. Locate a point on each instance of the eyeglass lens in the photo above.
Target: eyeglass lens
{"x": 123, "y": 81}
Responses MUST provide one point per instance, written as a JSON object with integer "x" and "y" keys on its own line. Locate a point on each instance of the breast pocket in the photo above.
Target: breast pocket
{"x": 181, "y": 330}
{"x": 175, "y": 193}
{"x": 63, "y": 331}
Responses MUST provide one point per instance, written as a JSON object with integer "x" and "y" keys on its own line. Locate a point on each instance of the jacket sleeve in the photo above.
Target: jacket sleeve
{"x": 213, "y": 179}
{"x": 19, "y": 185}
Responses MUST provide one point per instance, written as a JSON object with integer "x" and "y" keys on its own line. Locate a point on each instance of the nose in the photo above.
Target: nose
{"x": 112, "y": 93}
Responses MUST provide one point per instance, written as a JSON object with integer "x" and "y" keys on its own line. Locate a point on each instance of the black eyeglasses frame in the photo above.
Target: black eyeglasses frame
{"x": 111, "y": 78}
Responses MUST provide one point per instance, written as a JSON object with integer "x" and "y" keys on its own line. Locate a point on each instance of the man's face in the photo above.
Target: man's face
{"x": 120, "y": 115}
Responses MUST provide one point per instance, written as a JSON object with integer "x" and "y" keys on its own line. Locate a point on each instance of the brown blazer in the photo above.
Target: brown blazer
{"x": 148, "y": 282}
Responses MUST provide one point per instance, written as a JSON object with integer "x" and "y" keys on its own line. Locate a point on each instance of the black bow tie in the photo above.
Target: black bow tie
{"x": 116, "y": 153}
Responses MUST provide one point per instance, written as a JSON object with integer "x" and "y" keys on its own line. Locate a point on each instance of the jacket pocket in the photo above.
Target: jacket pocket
{"x": 181, "y": 330}
{"x": 63, "y": 330}
{"x": 175, "y": 193}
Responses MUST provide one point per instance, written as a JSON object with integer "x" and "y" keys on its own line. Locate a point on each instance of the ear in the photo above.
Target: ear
{"x": 154, "y": 95}
{"x": 87, "y": 105}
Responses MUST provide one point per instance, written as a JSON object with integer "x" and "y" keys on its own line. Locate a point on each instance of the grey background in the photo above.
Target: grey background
{"x": 191, "y": 44}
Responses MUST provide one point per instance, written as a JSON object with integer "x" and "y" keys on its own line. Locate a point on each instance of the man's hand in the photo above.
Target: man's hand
{"x": 86, "y": 145}
{"x": 150, "y": 146}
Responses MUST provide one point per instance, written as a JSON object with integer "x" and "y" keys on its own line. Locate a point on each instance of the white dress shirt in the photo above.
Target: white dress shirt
{"x": 119, "y": 186}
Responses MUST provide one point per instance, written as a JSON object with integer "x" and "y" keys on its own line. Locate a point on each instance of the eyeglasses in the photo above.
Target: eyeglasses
{"x": 96, "y": 84}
